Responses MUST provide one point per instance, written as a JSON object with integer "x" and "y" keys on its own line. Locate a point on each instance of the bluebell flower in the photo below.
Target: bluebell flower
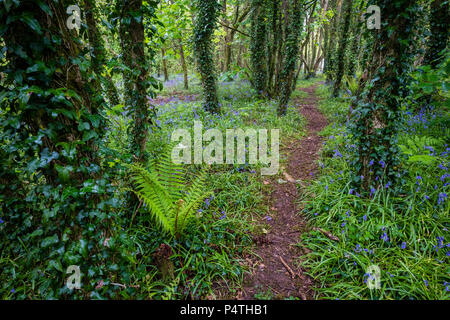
{"x": 442, "y": 197}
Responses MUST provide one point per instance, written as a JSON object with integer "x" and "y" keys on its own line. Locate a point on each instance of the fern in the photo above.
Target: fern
{"x": 352, "y": 84}
{"x": 415, "y": 148}
{"x": 163, "y": 190}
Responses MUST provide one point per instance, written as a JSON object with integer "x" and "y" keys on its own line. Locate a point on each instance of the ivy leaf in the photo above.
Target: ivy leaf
{"x": 55, "y": 264}
{"x": 32, "y": 23}
{"x": 45, "y": 8}
{"x": 89, "y": 135}
{"x": 49, "y": 241}
{"x": 64, "y": 172}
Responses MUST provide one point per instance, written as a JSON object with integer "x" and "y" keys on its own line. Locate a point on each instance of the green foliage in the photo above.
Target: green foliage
{"x": 57, "y": 202}
{"x": 405, "y": 235}
{"x": 163, "y": 190}
{"x": 352, "y": 84}
{"x": 416, "y": 148}
{"x": 431, "y": 85}
{"x": 438, "y": 39}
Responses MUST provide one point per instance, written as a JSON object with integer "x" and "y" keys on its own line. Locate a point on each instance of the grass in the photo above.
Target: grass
{"x": 406, "y": 236}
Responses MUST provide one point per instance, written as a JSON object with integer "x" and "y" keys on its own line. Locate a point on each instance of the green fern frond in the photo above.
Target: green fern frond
{"x": 162, "y": 189}
{"x": 150, "y": 191}
{"x": 192, "y": 199}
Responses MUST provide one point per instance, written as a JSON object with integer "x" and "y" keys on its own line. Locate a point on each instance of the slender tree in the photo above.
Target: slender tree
{"x": 164, "y": 64}
{"x": 98, "y": 52}
{"x": 292, "y": 49}
{"x": 258, "y": 46}
{"x": 183, "y": 64}
{"x": 330, "y": 55}
{"x": 132, "y": 37}
{"x": 356, "y": 30}
{"x": 343, "y": 40}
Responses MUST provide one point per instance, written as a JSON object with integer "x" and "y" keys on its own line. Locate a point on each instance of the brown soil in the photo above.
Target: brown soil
{"x": 173, "y": 97}
{"x": 279, "y": 269}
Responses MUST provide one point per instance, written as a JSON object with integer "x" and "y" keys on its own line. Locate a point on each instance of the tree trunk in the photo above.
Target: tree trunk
{"x": 257, "y": 46}
{"x": 272, "y": 48}
{"x": 293, "y": 32}
{"x": 331, "y": 47}
{"x": 378, "y": 108}
{"x": 164, "y": 64}
{"x": 98, "y": 52}
{"x": 132, "y": 38}
{"x": 343, "y": 40}
{"x": 183, "y": 64}
{"x": 204, "y": 25}
{"x": 58, "y": 132}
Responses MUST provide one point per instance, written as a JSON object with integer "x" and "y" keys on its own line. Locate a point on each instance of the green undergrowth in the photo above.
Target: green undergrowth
{"x": 206, "y": 261}
{"x": 404, "y": 235}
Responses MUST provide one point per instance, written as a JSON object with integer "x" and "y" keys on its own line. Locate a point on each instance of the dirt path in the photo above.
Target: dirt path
{"x": 278, "y": 269}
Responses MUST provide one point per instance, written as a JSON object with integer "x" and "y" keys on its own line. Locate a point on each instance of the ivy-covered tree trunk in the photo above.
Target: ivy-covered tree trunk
{"x": 204, "y": 26}
{"x": 132, "y": 36}
{"x": 343, "y": 40}
{"x": 52, "y": 136}
{"x": 377, "y": 114}
{"x": 258, "y": 46}
{"x": 280, "y": 46}
{"x": 98, "y": 52}
{"x": 439, "y": 28}
{"x": 272, "y": 45}
{"x": 356, "y": 30}
{"x": 329, "y": 65}
{"x": 292, "y": 48}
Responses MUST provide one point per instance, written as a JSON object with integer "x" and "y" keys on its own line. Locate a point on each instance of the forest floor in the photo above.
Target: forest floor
{"x": 277, "y": 270}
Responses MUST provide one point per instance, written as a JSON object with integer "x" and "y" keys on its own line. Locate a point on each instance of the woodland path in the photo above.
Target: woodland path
{"x": 278, "y": 269}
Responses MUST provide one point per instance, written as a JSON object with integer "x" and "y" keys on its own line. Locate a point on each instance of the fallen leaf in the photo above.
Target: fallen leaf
{"x": 289, "y": 178}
